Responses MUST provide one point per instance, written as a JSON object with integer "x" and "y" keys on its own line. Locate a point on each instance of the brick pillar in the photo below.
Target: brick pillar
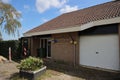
{"x": 35, "y": 44}
{"x": 32, "y": 51}
{"x": 119, "y": 42}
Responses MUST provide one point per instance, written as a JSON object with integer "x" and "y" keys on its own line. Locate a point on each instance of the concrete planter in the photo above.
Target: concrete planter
{"x": 32, "y": 75}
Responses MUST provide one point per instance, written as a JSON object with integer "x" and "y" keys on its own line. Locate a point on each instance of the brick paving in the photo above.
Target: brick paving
{"x": 82, "y": 72}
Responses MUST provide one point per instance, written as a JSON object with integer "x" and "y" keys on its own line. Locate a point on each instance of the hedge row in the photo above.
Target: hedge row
{"x": 15, "y": 48}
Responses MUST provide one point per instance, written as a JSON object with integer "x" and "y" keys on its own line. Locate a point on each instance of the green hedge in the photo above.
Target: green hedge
{"x": 15, "y": 48}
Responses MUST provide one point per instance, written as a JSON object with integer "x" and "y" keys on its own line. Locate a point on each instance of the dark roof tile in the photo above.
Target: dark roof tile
{"x": 99, "y": 12}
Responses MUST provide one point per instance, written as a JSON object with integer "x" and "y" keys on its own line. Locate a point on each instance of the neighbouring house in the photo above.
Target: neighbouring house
{"x": 89, "y": 37}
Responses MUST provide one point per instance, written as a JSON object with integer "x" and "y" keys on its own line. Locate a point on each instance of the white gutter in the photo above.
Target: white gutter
{"x": 76, "y": 28}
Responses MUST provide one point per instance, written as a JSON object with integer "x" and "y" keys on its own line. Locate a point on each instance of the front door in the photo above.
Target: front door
{"x": 45, "y": 46}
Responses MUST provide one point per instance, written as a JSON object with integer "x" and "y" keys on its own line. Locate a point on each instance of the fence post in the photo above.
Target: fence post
{"x": 10, "y": 54}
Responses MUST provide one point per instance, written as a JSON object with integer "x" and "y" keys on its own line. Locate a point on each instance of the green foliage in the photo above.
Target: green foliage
{"x": 30, "y": 64}
{"x": 9, "y": 19}
{"x": 4, "y": 48}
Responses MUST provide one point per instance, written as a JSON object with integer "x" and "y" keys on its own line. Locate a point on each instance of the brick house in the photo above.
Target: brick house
{"x": 88, "y": 37}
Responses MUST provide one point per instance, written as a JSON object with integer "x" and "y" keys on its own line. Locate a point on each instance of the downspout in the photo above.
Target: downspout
{"x": 74, "y": 54}
{"x": 119, "y": 43}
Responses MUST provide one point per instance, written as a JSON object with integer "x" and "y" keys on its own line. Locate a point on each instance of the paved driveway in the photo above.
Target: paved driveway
{"x": 82, "y": 72}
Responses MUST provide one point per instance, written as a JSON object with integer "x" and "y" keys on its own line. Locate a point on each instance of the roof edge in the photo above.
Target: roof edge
{"x": 76, "y": 28}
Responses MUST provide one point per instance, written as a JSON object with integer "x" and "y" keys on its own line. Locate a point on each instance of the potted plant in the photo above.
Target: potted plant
{"x": 31, "y": 68}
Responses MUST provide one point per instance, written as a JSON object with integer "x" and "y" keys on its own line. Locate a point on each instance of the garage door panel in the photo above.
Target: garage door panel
{"x": 100, "y": 51}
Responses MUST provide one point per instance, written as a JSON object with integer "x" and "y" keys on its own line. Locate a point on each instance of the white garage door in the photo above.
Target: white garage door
{"x": 100, "y": 51}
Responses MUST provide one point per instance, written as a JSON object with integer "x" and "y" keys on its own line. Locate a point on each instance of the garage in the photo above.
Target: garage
{"x": 99, "y": 50}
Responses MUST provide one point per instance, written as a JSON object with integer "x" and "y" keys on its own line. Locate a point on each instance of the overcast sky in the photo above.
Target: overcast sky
{"x": 37, "y": 12}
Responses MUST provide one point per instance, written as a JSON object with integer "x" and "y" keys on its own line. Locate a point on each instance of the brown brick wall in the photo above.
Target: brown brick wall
{"x": 29, "y": 43}
{"x": 63, "y": 50}
{"x": 35, "y": 44}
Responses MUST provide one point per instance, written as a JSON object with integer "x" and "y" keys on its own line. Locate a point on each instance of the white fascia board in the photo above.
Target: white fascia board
{"x": 72, "y": 29}
{"x": 100, "y": 22}
{"x": 76, "y": 28}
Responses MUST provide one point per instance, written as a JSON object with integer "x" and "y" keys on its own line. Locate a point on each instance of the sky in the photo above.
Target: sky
{"x": 37, "y": 12}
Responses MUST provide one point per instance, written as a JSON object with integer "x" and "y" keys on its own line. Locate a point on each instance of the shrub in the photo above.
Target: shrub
{"x": 30, "y": 64}
{"x": 4, "y": 46}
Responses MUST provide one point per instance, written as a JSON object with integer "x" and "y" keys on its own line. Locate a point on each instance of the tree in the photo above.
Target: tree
{"x": 9, "y": 19}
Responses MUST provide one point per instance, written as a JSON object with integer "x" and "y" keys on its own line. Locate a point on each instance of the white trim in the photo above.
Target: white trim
{"x": 76, "y": 28}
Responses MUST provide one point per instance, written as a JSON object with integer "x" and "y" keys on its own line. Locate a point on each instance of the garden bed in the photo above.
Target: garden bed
{"x": 31, "y": 68}
{"x": 32, "y": 75}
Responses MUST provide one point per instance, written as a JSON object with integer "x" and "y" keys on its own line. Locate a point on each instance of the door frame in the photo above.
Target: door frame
{"x": 46, "y": 45}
